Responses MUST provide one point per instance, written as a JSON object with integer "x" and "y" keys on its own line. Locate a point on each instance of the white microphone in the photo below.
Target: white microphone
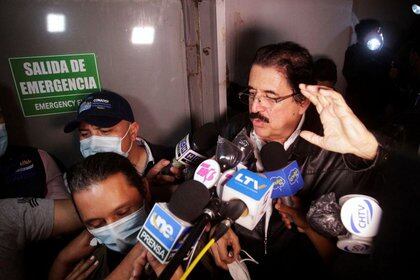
{"x": 361, "y": 216}
{"x": 254, "y": 190}
{"x": 208, "y": 173}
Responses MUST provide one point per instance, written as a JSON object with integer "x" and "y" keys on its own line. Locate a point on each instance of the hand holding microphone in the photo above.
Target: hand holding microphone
{"x": 145, "y": 258}
{"x": 157, "y": 177}
{"x": 194, "y": 148}
{"x": 354, "y": 220}
{"x": 167, "y": 224}
{"x": 292, "y": 215}
{"x": 220, "y": 250}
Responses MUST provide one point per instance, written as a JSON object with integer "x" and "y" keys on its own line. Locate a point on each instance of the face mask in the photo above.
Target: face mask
{"x": 3, "y": 139}
{"x": 102, "y": 144}
{"x": 121, "y": 235}
{"x": 238, "y": 269}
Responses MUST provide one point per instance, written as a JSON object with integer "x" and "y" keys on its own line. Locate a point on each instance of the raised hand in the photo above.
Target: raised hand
{"x": 343, "y": 131}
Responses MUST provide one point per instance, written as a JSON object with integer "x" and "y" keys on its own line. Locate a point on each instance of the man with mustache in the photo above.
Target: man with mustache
{"x": 342, "y": 161}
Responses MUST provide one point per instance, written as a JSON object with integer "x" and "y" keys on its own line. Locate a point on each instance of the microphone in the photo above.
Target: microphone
{"x": 354, "y": 220}
{"x": 232, "y": 210}
{"x": 167, "y": 224}
{"x": 208, "y": 173}
{"x": 254, "y": 191}
{"x": 244, "y": 143}
{"x": 194, "y": 148}
{"x": 286, "y": 177}
{"x": 232, "y": 156}
{"x": 228, "y": 155}
{"x": 210, "y": 212}
{"x": 361, "y": 216}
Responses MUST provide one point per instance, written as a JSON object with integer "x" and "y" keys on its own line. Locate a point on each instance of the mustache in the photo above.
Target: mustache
{"x": 257, "y": 115}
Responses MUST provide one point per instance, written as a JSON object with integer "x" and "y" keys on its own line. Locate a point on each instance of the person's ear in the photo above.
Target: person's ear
{"x": 303, "y": 106}
{"x": 134, "y": 130}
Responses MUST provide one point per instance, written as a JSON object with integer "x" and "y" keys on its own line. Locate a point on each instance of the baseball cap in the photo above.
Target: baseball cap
{"x": 103, "y": 109}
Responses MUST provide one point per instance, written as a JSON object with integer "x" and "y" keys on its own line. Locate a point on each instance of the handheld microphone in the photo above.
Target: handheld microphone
{"x": 167, "y": 224}
{"x": 252, "y": 189}
{"x": 286, "y": 178}
{"x": 228, "y": 155}
{"x": 232, "y": 210}
{"x": 244, "y": 143}
{"x": 231, "y": 156}
{"x": 208, "y": 173}
{"x": 354, "y": 220}
{"x": 194, "y": 148}
{"x": 361, "y": 216}
{"x": 210, "y": 212}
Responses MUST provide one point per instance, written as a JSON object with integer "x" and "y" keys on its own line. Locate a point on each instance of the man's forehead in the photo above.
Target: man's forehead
{"x": 106, "y": 195}
{"x": 267, "y": 79}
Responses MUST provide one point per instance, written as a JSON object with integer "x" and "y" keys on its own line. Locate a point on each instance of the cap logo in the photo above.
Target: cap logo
{"x": 101, "y": 100}
{"x": 101, "y": 104}
{"x": 85, "y": 106}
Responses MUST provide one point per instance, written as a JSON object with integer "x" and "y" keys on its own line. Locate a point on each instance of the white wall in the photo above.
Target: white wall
{"x": 322, "y": 26}
{"x": 152, "y": 77}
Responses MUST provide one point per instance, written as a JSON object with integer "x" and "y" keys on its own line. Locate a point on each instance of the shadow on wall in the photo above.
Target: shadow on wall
{"x": 345, "y": 37}
{"x": 69, "y": 150}
{"x": 247, "y": 42}
{"x": 167, "y": 137}
{"x": 13, "y": 116}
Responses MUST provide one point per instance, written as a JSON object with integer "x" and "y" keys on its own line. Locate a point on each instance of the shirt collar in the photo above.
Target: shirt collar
{"x": 295, "y": 134}
{"x": 150, "y": 160}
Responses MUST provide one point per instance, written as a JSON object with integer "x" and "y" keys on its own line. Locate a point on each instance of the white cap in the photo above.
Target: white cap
{"x": 208, "y": 173}
{"x": 361, "y": 215}
{"x": 355, "y": 246}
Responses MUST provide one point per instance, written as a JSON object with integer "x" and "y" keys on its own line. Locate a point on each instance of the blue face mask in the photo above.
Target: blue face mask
{"x": 102, "y": 144}
{"x": 121, "y": 235}
{"x": 3, "y": 139}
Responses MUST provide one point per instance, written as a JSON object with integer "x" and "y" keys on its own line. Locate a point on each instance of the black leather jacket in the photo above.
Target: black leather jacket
{"x": 323, "y": 172}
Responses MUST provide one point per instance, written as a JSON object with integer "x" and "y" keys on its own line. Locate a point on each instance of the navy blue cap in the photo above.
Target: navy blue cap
{"x": 103, "y": 109}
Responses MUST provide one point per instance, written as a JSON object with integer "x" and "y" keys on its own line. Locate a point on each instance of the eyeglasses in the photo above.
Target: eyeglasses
{"x": 247, "y": 97}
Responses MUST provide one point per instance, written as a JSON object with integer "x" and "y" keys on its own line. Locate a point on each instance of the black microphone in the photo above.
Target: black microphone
{"x": 197, "y": 197}
{"x": 210, "y": 212}
{"x": 194, "y": 148}
{"x": 167, "y": 224}
{"x": 232, "y": 210}
{"x": 274, "y": 158}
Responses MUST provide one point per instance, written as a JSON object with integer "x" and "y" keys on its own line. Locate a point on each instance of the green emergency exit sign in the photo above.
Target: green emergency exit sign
{"x": 54, "y": 84}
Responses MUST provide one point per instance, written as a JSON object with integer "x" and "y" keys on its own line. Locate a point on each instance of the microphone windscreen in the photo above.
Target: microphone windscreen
{"x": 204, "y": 138}
{"x": 234, "y": 209}
{"x": 189, "y": 200}
{"x": 273, "y": 156}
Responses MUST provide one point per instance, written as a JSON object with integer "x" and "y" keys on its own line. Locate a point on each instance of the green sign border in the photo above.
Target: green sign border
{"x": 37, "y": 56}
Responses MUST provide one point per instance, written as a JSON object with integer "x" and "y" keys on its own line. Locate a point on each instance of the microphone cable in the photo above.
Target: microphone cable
{"x": 197, "y": 259}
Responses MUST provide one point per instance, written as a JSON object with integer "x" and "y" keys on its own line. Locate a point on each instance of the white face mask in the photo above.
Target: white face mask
{"x": 3, "y": 139}
{"x": 102, "y": 144}
{"x": 121, "y": 235}
{"x": 238, "y": 269}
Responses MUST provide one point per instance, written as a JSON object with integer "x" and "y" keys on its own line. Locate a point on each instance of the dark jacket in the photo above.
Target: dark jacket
{"x": 22, "y": 173}
{"x": 323, "y": 172}
{"x": 160, "y": 152}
